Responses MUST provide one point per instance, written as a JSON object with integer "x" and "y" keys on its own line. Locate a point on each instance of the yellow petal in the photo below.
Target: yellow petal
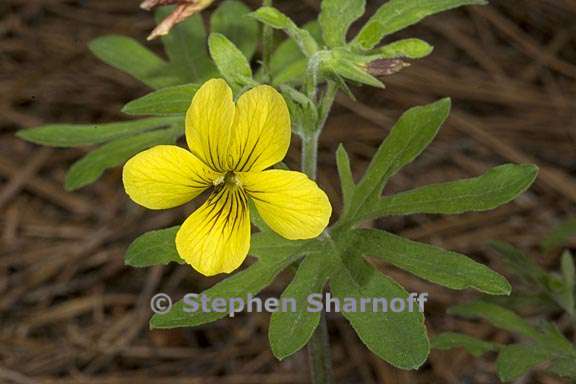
{"x": 290, "y": 203}
{"x": 216, "y": 237}
{"x": 165, "y": 176}
{"x": 261, "y": 130}
{"x": 208, "y": 123}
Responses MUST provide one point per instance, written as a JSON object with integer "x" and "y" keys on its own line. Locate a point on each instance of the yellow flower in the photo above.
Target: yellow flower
{"x": 231, "y": 146}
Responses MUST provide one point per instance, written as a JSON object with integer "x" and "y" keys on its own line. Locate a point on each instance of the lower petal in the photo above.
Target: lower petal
{"x": 290, "y": 203}
{"x": 216, "y": 237}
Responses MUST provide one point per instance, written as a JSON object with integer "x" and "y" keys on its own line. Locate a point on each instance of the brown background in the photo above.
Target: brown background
{"x": 71, "y": 312}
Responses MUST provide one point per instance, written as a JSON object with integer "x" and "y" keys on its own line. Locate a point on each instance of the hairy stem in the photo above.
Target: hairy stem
{"x": 319, "y": 345}
{"x": 267, "y": 43}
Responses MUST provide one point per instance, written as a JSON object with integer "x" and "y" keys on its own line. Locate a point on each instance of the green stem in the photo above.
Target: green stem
{"x": 267, "y": 43}
{"x": 319, "y": 345}
{"x": 319, "y": 354}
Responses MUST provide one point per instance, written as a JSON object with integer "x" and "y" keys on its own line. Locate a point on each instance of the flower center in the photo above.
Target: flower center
{"x": 229, "y": 179}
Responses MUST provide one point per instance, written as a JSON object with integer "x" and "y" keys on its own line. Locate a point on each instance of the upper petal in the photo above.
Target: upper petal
{"x": 209, "y": 123}
{"x": 261, "y": 131}
{"x": 216, "y": 237}
{"x": 165, "y": 176}
{"x": 290, "y": 203}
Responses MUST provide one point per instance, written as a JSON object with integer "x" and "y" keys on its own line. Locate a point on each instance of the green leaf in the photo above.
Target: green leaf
{"x": 230, "y": 61}
{"x": 564, "y": 367}
{"x": 515, "y": 360}
{"x": 336, "y": 17}
{"x": 89, "y": 168}
{"x": 498, "y": 186}
{"x": 399, "y": 14}
{"x": 277, "y": 20}
{"x": 496, "y": 315}
{"x": 74, "y": 135}
{"x": 520, "y": 264}
{"x": 275, "y": 254}
{"x": 288, "y": 63}
{"x": 128, "y": 55}
{"x": 408, "y": 138}
{"x": 185, "y": 45}
{"x": 568, "y": 273}
{"x": 290, "y": 331}
{"x": 446, "y": 268}
{"x": 232, "y": 20}
{"x": 154, "y": 248}
{"x": 164, "y": 102}
{"x": 406, "y": 48}
{"x": 349, "y": 66}
{"x": 397, "y": 337}
{"x": 345, "y": 174}
{"x": 450, "y": 340}
{"x": 560, "y": 235}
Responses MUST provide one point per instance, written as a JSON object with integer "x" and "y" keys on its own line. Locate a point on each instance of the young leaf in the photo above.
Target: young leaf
{"x": 232, "y": 20}
{"x": 290, "y": 331}
{"x": 74, "y": 135}
{"x": 276, "y": 19}
{"x": 515, "y": 360}
{"x": 349, "y": 66}
{"x": 89, "y": 168}
{"x": 164, "y": 102}
{"x": 230, "y": 61}
{"x": 153, "y": 248}
{"x": 446, "y": 268}
{"x": 408, "y": 48}
{"x": 410, "y": 135}
{"x": 336, "y": 17}
{"x": 450, "y": 340}
{"x": 397, "y": 337}
{"x": 185, "y": 45}
{"x": 130, "y": 56}
{"x": 496, "y": 315}
{"x": 498, "y": 186}
{"x": 399, "y": 14}
{"x": 345, "y": 174}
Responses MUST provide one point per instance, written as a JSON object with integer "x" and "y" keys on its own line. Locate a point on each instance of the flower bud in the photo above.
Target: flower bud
{"x": 184, "y": 9}
{"x": 385, "y": 67}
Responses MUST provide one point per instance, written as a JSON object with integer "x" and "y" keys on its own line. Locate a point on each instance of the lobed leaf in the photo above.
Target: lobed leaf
{"x": 396, "y": 15}
{"x": 410, "y": 135}
{"x": 498, "y": 186}
{"x": 406, "y": 48}
{"x": 275, "y": 254}
{"x": 397, "y": 337}
{"x": 89, "y": 168}
{"x": 515, "y": 360}
{"x": 496, "y": 315}
{"x": 336, "y": 17}
{"x": 154, "y": 248}
{"x": 74, "y": 135}
{"x": 446, "y": 268}
{"x": 230, "y": 61}
{"x": 128, "y": 55}
{"x": 290, "y": 331}
{"x": 451, "y": 340}
{"x": 164, "y": 102}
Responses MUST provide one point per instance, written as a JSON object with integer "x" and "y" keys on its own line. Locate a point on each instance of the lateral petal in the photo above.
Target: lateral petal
{"x": 261, "y": 131}
{"x": 216, "y": 237}
{"x": 165, "y": 176}
{"x": 209, "y": 123}
{"x": 290, "y": 203}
